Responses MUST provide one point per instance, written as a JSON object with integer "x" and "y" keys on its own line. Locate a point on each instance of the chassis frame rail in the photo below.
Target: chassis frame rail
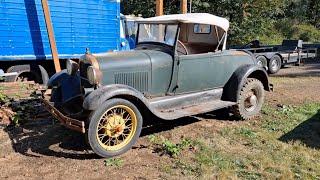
{"x": 68, "y": 122}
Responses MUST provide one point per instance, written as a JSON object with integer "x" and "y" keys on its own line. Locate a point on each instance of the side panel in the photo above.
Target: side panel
{"x": 209, "y": 71}
{"x": 78, "y": 24}
{"x": 161, "y": 65}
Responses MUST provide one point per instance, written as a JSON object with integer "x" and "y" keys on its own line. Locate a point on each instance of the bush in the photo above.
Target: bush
{"x": 307, "y": 32}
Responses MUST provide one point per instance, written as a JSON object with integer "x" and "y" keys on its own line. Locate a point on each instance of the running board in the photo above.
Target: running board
{"x": 184, "y": 111}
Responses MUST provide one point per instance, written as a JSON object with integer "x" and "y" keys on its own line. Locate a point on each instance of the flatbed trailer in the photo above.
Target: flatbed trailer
{"x": 277, "y": 56}
{"x": 25, "y": 52}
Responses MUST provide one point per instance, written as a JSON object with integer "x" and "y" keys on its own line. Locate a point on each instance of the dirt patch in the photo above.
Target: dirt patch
{"x": 43, "y": 149}
{"x": 296, "y": 84}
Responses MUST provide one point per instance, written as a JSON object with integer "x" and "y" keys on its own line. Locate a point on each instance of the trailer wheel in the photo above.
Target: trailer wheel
{"x": 262, "y": 62}
{"x": 275, "y": 64}
{"x": 28, "y": 73}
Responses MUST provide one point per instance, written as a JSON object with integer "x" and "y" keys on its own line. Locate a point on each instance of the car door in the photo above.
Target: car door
{"x": 199, "y": 72}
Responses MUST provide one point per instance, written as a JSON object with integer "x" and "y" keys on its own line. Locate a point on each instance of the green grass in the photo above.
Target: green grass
{"x": 283, "y": 144}
{"x": 3, "y": 97}
{"x": 166, "y": 147}
{"x": 113, "y": 162}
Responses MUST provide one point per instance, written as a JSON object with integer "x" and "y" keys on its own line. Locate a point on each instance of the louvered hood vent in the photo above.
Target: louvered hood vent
{"x": 137, "y": 80}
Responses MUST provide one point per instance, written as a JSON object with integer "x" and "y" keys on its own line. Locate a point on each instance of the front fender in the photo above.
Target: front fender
{"x": 100, "y": 95}
{"x": 64, "y": 87}
{"x": 232, "y": 89}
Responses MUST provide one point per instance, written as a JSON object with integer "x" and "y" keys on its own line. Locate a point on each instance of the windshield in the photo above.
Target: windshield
{"x": 161, "y": 33}
{"x": 131, "y": 28}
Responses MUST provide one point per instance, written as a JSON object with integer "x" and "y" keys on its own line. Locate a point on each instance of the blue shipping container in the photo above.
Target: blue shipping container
{"x": 77, "y": 24}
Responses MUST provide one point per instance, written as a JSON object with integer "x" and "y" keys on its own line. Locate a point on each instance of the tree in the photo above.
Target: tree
{"x": 267, "y": 20}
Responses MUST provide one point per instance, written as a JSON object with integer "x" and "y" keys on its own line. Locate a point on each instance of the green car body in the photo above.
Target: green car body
{"x": 165, "y": 79}
{"x": 156, "y": 73}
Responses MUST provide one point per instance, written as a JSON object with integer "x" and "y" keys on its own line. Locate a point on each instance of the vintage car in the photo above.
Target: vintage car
{"x": 179, "y": 68}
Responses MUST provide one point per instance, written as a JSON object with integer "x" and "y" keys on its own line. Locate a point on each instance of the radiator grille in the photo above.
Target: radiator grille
{"x": 137, "y": 80}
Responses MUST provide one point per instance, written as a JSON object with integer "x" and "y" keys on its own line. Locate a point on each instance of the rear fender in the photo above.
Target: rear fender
{"x": 231, "y": 90}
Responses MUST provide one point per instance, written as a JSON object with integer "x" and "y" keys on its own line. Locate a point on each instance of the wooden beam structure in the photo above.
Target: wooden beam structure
{"x": 184, "y": 6}
{"x": 159, "y": 7}
{"x": 52, "y": 40}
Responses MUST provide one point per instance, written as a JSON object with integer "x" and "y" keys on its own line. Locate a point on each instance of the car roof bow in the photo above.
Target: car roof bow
{"x": 190, "y": 18}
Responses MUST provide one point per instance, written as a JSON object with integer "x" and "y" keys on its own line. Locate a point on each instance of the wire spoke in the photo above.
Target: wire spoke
{"x": 102, "y": 136}
{"x": 117, "y": 140}
{"x": 123, "y": 136}
{"x": 122, "y": 112}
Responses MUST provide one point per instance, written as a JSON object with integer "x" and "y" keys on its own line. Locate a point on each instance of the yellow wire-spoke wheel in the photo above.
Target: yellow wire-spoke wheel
{"x": 116, "y": 128}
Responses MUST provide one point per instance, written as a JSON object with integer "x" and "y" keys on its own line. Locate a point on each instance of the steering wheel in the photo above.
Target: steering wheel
{"x": 182, "y": 49}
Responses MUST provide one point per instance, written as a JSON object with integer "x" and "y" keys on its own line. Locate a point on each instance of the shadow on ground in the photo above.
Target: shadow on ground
{"x": 46, "y": 137}
{"x": 310, "y": 68}
{"x": 307, "y": 133}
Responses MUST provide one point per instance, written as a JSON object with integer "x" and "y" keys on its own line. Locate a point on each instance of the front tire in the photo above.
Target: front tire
{"x": 114, "y": 128}
{"x": 250, "y": 100}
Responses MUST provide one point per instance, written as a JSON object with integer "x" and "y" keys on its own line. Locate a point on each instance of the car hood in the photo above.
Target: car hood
{"x": 123, "y": 59}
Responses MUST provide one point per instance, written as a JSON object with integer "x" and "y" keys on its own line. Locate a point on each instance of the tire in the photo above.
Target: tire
{"x": 249, "y": 105}
{"x": 262, "y": 62}
{"x": 36, "y": 73}
{"x": 275, "y": 64}
{"x": 110, "y": 140}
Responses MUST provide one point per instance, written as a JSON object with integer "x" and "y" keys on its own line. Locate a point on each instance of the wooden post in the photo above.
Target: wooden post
{"x": 159, "y": 7}
{"x": 52, "y": 40}
{"x": 184, "y": 6}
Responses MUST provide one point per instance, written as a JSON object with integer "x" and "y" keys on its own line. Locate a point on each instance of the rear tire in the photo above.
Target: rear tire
{"x": 29, "y": 73}
{"x": 275, "y": 64}
{"x": 250, "y": 100}
{"x": 114, "y": 128}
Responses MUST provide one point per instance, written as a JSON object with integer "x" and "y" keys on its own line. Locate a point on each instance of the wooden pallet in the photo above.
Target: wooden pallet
{"x": 18, "y": 89}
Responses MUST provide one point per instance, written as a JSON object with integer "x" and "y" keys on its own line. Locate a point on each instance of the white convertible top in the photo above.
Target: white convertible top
{"x": 190, "y": 18}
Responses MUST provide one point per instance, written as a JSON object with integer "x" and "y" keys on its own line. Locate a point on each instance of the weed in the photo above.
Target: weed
{"x": 16, "y": 119}
{"x": 165, "y": 146}
{"x": 154, "y": 139}
{"x": 3, "y": 98}
{"x": 245, "y": 132}
{"x": 113, "y": 162}
{"x": 171, "y": 149}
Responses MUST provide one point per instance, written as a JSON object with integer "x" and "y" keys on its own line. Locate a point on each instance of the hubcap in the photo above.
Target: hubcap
{"x": 274, "y": 65}
{"x": 251, "y": 101}
{"x": 260, "y": 63}
{"x": 116, "y": 127}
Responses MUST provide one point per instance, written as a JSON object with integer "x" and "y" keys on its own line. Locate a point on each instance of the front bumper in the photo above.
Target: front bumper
{"x": 68, "y": 122}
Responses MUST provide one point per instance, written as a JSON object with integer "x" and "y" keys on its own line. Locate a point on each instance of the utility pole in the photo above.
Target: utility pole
{"x": 159, "y": 7}
{"x": 184, "y": 6}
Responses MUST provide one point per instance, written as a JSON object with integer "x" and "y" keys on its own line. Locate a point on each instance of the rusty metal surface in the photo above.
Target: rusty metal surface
{"x": 70, "y": 123}
{"x": 51, "y": 37}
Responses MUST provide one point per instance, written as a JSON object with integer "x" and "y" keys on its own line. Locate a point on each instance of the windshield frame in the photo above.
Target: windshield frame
{"x": 157, "y": 42}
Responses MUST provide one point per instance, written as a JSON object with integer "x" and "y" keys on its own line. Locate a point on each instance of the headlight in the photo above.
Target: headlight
{"x": 72, "y": 67}
{"x": 94, "y": 75}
